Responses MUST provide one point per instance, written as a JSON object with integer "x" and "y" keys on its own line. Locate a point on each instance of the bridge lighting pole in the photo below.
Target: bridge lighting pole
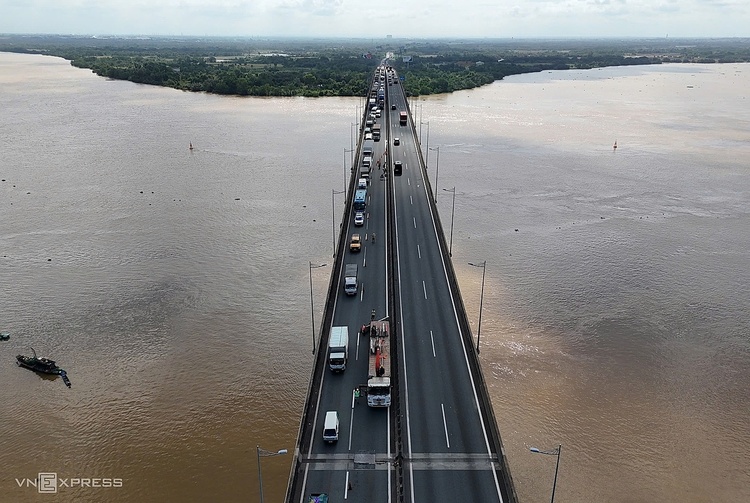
{"x": 312, "y": 307}
{"x": 552, "y": 452}
{"x": 333, "y": 217}
{"x": 453, "y": 209}
{"x": 262, "y": 453}
{"x": 437, "y": 170}
{"x": 428, "y": 136}
{"x": 346, "y": 151}
{"x": 483, "y": 265}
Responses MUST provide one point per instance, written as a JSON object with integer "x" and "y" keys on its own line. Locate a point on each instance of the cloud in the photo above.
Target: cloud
{"x": 413, "y": 19}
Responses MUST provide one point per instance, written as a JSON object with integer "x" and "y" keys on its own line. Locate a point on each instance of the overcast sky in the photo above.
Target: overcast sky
{"x": 377, "y": 18}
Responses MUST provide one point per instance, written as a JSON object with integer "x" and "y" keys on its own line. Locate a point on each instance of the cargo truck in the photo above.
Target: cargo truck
{"x": 402, "y": 118}
{"x": 379, "y": 369}
{"x": 376, "y": 132}
{"x": 350, "y": 279}
{"x": 338, "y": 348}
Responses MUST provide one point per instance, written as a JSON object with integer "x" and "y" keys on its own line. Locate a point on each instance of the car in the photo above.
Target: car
{"x": 362, "y": 183}
{"x": 368, "y": 136}
{"x": 331, "y": 426}
{"x": 397, "y": 141}
{"x": 393, "y": 107}
{"x": 397, "y": 167}
{"x": 356, "y": 243}
{"x": 359, "y": 219}
{"x": 377, "y": 114}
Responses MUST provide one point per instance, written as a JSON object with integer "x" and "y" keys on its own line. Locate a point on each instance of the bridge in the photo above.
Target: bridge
{"x": 438, "y": 440}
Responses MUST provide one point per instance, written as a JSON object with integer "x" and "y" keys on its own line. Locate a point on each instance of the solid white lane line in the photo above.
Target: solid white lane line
{"x": 356, "y": 353}
{"x": 432, "y": 339}
{"x": 346, "y": 486}
{"x": 351, "y": 423}
{"x": 445, "y": 425}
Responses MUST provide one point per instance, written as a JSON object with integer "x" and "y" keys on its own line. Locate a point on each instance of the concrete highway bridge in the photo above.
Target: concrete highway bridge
{"x": 438, "y": 440}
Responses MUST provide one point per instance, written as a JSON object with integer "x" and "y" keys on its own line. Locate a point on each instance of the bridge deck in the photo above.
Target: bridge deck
{"x": 439, "y": 439}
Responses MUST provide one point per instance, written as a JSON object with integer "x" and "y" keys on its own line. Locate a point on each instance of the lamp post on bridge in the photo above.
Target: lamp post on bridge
{"x": 428, "y": 138}
{"x": 312, "y": 307}
{"x": 552, "y": 452}
{"x": 346, "y": 151}
{"x": 453, "y": 209}
{"x": 437, "y": 170}
{"x": 333, "y": 217}
{"x": 483, "y": 265}
{"x": 262, "y": 453}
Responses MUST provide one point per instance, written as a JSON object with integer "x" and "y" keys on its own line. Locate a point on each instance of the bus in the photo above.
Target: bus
{"x": 360, "y": 199}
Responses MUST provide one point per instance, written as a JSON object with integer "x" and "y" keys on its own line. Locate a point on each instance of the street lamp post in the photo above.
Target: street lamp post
{"x": 553, "y": 452}
{"x": 437, "y": 170}
{"x": 312, "y": 308}
{"x": 262, "y": 453}
{"x": 428, "y": 139}
{"x": 333, "y": 216}
{"x": 483, "y": 265}
{"x": 453, "y": 209}
{"x": 346, "y": 151}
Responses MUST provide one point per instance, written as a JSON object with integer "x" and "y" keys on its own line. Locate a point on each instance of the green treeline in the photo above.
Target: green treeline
{"x": 244, "y": 76}
{"x": 248, "y": 67}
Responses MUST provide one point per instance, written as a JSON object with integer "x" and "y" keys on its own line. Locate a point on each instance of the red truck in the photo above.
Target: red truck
{"x": 402, "y": 118}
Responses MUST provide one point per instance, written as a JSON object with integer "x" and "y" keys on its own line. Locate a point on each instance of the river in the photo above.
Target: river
{"x": 173, "y": 284}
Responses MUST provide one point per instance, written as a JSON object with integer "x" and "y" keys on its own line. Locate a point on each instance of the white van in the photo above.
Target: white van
{"x": 331, "y": 426}
{"x": 362, "y": 183}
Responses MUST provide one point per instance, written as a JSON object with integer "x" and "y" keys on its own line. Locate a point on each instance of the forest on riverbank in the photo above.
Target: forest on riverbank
{"x": 337, "y": 67}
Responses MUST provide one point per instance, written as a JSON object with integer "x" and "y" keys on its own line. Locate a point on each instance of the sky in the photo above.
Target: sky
{"x": 378, "y": 18}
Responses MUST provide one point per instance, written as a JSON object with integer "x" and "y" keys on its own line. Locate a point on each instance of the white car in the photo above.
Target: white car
{"x": 362, "y": 183}
{"x": 359, "y": 219}
{"x": 368, "y": 136}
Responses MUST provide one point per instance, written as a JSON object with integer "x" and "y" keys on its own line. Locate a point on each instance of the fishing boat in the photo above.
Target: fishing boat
{"x": 43, "y": 365}
{"x": 4, "y": 336}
